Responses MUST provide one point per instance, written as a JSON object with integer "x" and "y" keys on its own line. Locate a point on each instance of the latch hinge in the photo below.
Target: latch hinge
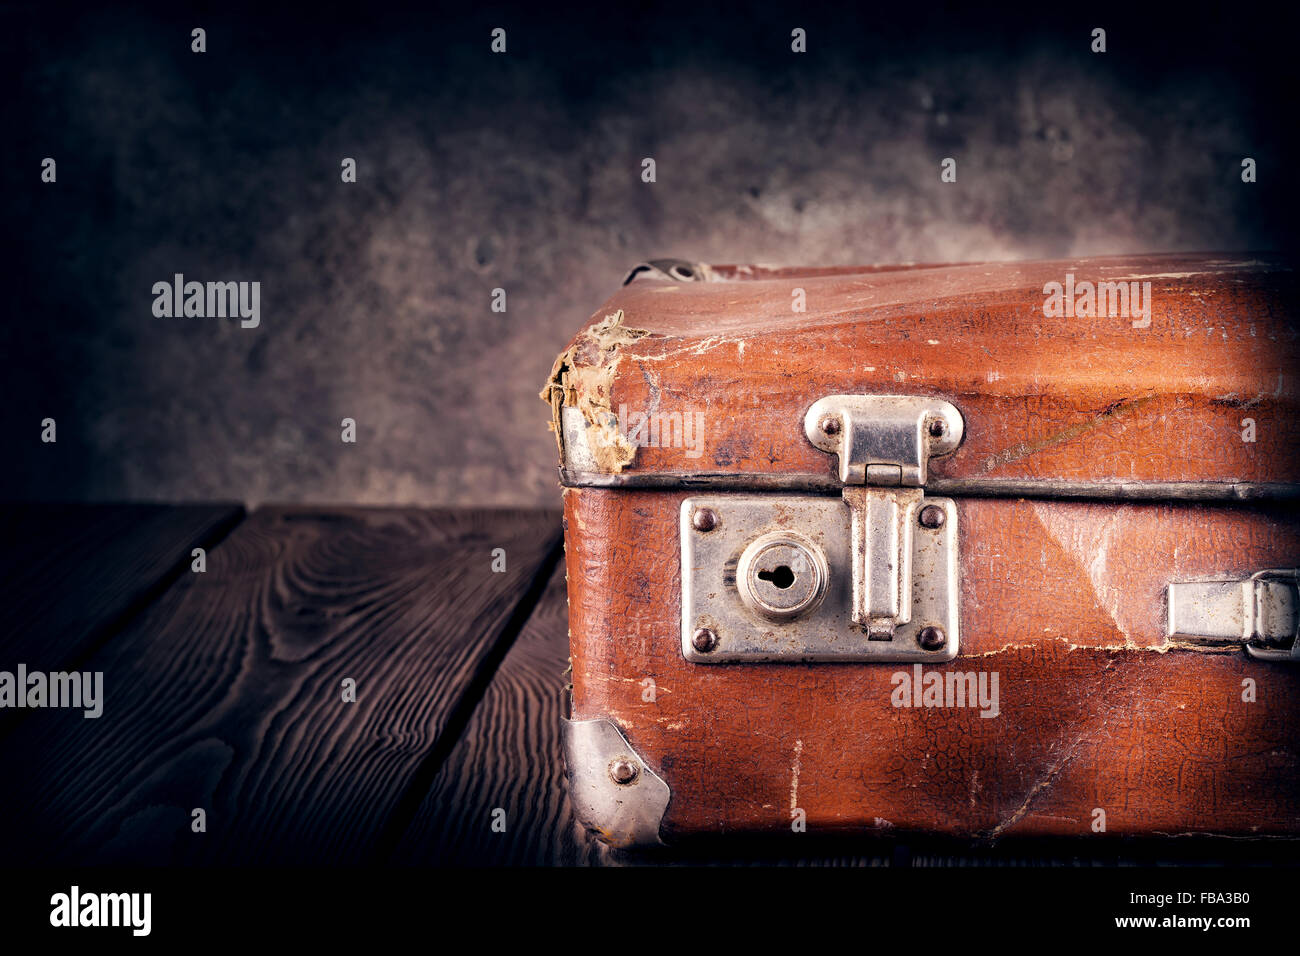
{"x": 884, "y": 439}
{"x": 1261, "y": 612}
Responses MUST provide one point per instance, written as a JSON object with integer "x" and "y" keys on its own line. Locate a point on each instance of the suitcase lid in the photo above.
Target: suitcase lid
{"x": 1164, "y": 376}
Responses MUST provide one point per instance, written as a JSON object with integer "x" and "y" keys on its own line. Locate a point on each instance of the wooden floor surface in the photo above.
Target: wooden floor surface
{"x": 226, "y": 690}
{"x": 335, "y": 686}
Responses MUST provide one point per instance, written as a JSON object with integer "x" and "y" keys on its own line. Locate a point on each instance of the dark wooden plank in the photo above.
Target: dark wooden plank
{"x": 509, "y": 758}
{"x": 225, "y": 695}
{"x": 70, "y": 572}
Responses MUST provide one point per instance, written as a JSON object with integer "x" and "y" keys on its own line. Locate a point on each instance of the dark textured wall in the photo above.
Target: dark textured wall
{"x": 522, "y": 171}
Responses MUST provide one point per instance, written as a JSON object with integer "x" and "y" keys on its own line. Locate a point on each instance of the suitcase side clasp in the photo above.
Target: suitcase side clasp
{"x": 1261, "y": 611}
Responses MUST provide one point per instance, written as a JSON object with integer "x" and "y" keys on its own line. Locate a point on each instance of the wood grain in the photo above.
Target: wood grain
{"x": 72, "y": 573}
{"x": 226, "y": 694}
{"x": 509, "y": 758}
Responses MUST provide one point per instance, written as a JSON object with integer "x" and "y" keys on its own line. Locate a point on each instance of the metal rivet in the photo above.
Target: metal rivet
{"x": 704, "y": 519}
{"x": 623, "y": 771}
{"x": 704, "y": 639}
{"x": 931, "y": 638}
{"x": 830, "y": 425}
{"x": 938, "y": 428}
{"x": 932, "y": 516}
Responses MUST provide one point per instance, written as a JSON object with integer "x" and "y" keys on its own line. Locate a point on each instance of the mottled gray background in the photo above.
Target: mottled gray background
{"x": 522, "y": 171}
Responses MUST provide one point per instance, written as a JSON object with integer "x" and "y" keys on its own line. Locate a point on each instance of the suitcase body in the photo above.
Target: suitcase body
{"x": 981, "y": 550}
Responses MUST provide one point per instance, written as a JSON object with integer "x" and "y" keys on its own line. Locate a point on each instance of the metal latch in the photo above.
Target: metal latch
{"x": 1261, "y": 611}
{"x": 871, "y": 575}
{"x": 883, "y": 439}
{"x": 887, "y": 441}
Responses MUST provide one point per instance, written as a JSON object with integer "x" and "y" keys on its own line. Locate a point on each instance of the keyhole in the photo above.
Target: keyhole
{"x": 782, "y": 577}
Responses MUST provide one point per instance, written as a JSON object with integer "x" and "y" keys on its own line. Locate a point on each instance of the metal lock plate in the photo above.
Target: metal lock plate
{"x": 762, "y": 549}
{"x": 869, "y": 576}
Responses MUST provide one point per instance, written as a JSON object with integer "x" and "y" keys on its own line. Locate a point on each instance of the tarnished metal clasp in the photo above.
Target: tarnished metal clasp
{"x": 679, "y": 270}
{"x": 882, "y": 522}
{"x": 884, "y": 439}
{"x": 871, "y": 576}
{"x": 884, "y": 444}
{"x": 1261, "y": 611}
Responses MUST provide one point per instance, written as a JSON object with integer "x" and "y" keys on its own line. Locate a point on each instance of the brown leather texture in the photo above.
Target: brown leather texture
{"x": 1063, "y": 600}
{"x": 1070, "y": 398}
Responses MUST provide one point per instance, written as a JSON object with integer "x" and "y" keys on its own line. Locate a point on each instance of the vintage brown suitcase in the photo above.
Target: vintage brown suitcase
{"x": 981, "y": 550}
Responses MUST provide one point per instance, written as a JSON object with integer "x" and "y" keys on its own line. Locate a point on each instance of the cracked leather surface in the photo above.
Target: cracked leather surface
{"x": 1063, "y": 600}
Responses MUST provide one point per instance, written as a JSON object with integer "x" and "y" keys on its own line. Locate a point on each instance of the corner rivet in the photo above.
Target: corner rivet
{"x": 932, "y": 516}
{"x": 830, "y": 425}
{"x": 704, "y": 519}
{"x": 623, "y": 771}
{"x": 704, "y": 639}
{"x": 931, "y": 638}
